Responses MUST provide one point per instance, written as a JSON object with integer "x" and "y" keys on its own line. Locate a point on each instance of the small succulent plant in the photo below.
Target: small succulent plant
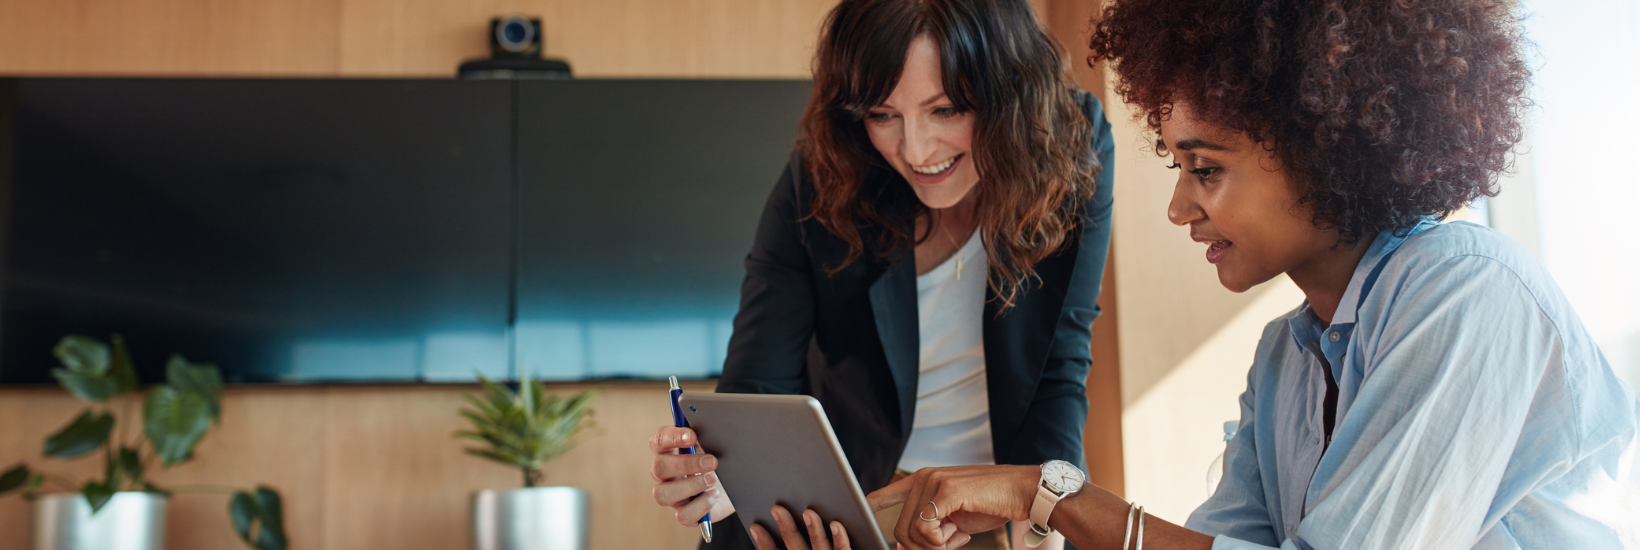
{"x": 525, "y": 429}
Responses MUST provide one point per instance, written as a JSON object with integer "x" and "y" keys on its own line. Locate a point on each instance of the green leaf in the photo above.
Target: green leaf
{"x": 273, "y": 519}
{"x": 120, "y": 369}
{"x": 530, "y": 393}
{"x": 243, "y": 511}
{"x": 111, "y": 472}
{"x": 200, "y": 377}
{"x": 97, "y": 495}
{"x": 86, "y": 433}
{"x": 131, "y": 463}
{"x": 262, "y": 513}
{"x": 525, "y": 429}
{"x": 14, "y": 478}
{"x": 175, "y": 420}
{"x": 89, "y": 388}
{"x": 34, "y": 483}
{"x": 83, "y": 355}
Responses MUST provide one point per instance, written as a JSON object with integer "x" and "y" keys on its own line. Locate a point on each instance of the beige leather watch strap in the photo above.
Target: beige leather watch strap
{"x": 1041, "y": 510}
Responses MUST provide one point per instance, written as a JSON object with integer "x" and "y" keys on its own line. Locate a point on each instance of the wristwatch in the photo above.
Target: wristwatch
{"x": 1060, "y": 479}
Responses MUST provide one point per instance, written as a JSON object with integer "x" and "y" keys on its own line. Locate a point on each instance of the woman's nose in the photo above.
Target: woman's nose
{"x": 1184, "y": 209}
{"x": 920, "y": 144}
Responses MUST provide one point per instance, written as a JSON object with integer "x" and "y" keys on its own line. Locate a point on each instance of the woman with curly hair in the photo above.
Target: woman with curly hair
{"x": 928, "y": 265}
{"x": 1435, "y": 390}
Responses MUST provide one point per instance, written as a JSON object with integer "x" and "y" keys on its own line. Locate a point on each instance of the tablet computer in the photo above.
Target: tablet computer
{"x": 779, "y": 449}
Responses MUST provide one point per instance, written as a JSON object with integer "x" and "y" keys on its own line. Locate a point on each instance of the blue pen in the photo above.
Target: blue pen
{"x": 681, "y": 422}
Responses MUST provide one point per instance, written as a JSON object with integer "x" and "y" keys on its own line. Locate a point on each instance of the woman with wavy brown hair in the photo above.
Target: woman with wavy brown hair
{"x": 1435, "y": 389}
{"x": 928, "y": 265}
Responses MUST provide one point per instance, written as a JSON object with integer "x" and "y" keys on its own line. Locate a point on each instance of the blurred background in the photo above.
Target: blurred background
{"x": 301, "y": 192}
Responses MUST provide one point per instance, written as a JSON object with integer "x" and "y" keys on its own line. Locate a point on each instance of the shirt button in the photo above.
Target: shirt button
{"x": 1332, "y": 337}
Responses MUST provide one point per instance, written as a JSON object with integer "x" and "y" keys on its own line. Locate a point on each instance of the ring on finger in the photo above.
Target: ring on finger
{"x": 936, "y": 513}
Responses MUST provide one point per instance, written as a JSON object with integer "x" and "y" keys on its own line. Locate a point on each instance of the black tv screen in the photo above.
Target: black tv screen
{"x": 634, "y": 226}
{"x": 386, "y": 230}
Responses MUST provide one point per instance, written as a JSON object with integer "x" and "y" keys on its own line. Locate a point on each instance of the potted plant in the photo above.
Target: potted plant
{"x": 525, "y": 430}
{"x": 125, "y": 509}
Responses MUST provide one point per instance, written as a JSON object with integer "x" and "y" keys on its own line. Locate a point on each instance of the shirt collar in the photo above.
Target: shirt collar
{"x": 1307, "y": 329}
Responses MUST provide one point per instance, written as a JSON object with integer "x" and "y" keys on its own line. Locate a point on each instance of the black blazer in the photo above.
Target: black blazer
{"x": 850, "y": 339}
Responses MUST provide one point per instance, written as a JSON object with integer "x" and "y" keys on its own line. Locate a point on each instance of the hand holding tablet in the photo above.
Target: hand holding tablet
{"x": 779, "y": 455}
{"x": 687, "y": 483}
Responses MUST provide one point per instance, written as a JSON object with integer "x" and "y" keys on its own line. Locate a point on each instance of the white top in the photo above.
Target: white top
{"x": 952, "y": 425}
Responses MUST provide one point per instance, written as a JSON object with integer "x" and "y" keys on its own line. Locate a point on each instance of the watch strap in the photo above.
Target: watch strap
{"x": 1041, "y": 510}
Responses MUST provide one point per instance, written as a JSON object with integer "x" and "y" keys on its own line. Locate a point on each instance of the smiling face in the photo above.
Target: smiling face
{"x": 922, "y": 134}
{"x": 1236, "y": 198}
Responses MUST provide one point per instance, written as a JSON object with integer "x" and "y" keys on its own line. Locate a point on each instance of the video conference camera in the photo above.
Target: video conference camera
{"x": 515, "y": 54}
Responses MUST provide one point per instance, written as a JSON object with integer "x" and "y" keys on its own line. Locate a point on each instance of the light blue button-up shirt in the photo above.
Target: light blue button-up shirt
{"x": 1474, "y": 411}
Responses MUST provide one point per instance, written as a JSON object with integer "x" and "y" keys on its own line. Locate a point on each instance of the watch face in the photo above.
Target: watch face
{"x": 1063, "y": 477}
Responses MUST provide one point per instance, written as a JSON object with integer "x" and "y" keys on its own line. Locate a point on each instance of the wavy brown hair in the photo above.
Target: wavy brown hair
{"x": 1031, "y": 140}
{"x": 1385, "y": 110}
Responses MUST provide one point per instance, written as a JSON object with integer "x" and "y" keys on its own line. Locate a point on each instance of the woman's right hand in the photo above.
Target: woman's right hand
{"x": 942, "y": 504}
{"x": 686, "y": 483}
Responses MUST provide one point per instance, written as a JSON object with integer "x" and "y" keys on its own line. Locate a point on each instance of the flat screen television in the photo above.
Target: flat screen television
{"x": 322, "y": 230}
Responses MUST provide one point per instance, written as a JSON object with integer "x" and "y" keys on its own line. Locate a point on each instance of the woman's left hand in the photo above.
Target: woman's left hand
{"x": 943, "y": 506}
{"x": 812, "y": 536}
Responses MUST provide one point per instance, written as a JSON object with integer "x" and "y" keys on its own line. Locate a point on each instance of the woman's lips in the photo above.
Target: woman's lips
{"x": 930, "y": 179}
{"x": 1216, "y": 251}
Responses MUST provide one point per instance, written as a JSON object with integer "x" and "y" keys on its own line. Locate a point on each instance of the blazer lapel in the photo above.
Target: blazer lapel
{"x": 1017, "y": 344}
{"x": 894, "y": 306}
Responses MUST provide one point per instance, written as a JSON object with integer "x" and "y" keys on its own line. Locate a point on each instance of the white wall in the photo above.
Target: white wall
{"x": 1582, "y": 164}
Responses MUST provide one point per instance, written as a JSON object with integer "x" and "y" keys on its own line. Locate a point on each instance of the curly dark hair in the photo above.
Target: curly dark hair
{"x": 1384, "y": 110}
{"x": 1030, "y": 136}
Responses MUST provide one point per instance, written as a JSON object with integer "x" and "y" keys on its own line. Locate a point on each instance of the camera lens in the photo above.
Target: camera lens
{"x": 514, "y": 34}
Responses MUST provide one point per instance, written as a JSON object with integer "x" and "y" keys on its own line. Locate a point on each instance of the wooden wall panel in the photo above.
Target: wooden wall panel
{"x": 600, "y": 38}
{"x": 1067, "y": 21}
{"x": 169, "y": 37}
{"x": 367, "y": 467}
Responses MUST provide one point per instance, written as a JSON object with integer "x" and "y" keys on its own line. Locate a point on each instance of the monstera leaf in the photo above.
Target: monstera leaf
{"x": 88, "y": 432}
{"x": 19, "y": 477}
{"x": 259, "y": 518}
{"x": 199, "y": 377}
{"x": 13, "y": 479}
{"x": 97, "y": 494}
{"x": 83, "y": 354}
{"x": 91, "y": 370}
{"x": 175, "y": 420}
{"x": 120, "y": 368}
{"x": 129, "y": 462}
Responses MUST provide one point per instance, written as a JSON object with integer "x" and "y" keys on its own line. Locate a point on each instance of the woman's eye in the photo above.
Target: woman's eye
{"x": 945, "y": 112}
{"x": 1205, "y": 171}
{"x": 878, "y": 117}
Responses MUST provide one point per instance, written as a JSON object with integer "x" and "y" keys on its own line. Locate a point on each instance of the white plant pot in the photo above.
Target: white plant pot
{"x": 130, "y": 521}
{"x": 540, "y": 518}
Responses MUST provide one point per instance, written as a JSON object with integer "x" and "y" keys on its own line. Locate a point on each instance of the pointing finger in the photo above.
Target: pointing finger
{"x": 888, "y": 497}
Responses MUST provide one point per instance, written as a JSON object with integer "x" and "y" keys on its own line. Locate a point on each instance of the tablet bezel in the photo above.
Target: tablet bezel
{"x": 780, "y": 449}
